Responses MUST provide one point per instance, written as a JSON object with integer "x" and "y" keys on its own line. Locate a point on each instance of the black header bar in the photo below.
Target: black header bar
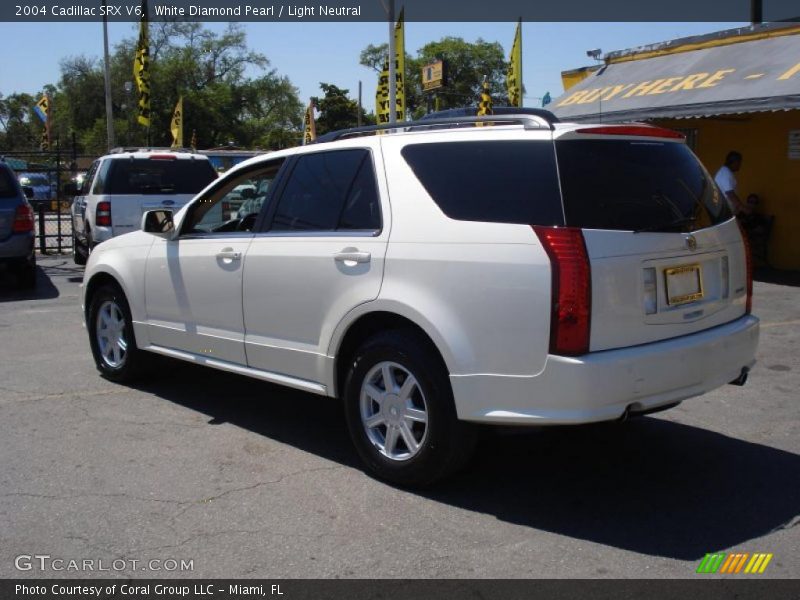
{"x": 415, "y": 10}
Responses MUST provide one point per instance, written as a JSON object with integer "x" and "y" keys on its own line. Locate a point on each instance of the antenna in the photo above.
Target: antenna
{"x": 597, "y": 54}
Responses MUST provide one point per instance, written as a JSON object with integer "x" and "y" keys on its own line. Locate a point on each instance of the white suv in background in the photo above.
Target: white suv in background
{"x": 445, "y": 275}
{"x": 126, "y": 183}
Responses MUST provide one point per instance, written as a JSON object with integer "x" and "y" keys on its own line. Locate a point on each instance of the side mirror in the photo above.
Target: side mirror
{"x": 158, "y": 222}
{"x": 28, "y": 191}
{"x": 70, "y": 189}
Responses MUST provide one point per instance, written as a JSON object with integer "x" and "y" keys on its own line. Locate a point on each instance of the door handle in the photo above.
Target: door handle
{"x": 229, "y": 254}
{"x": 352, "y": 256}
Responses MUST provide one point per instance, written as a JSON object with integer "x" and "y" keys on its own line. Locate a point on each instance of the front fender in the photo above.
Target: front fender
{"x": 125, "y": 259}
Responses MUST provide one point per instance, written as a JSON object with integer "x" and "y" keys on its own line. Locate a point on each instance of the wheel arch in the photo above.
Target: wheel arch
{"x": 367, "y": 324}
{"x": 96, "y": 281}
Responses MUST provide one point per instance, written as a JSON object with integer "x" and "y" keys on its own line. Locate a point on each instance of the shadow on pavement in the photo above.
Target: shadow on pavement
{"x": 649, "y": 486}
{"x": 44, "y": 290}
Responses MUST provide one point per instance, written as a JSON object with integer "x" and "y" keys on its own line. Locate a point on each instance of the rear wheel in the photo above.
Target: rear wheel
{"x": 111, "y": 336}
{"x": 400, "y": 411}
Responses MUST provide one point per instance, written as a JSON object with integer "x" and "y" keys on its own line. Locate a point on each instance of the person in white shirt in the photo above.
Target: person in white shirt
{"x": 726, "y": 180}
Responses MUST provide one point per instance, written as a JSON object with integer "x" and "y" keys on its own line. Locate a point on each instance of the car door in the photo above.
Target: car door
{"x": 193, "y": 283}
{"x": 319, "y": 255}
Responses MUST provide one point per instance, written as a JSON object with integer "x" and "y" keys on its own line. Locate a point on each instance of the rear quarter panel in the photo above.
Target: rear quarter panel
{"x": 481, "y": 289}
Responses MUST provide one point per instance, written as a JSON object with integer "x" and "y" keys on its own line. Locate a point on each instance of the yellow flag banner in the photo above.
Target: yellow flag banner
{"x": 44, "y": 143}
{"x": 177, "y": 124}
{"x": 382, "y": 95}
{"x": 42, "y": 108}
{"x": 141, "y": 69}
{"x": 514, "y": 72}
{"x": 309, "y": 125}
{"x": 485, "y": 105}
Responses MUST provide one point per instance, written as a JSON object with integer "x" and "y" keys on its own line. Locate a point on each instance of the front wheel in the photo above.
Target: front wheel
{"x": 400, "y": 411}
{"x": 111, "y": 336}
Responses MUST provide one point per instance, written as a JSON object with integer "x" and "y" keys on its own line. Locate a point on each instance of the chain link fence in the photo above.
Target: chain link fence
{"x": 46, "y": 172}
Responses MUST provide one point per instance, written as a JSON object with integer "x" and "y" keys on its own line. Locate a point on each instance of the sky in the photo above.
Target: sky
{"x": 312, "y": 52}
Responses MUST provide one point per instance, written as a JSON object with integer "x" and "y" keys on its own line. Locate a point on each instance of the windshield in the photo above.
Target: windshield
{"x": 634, "y": 185}
{"x": 34, "y": 180}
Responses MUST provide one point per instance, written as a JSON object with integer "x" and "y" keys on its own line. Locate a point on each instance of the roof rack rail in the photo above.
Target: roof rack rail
{"x": 122, "y": 149}
{"x": 528, "y": 121}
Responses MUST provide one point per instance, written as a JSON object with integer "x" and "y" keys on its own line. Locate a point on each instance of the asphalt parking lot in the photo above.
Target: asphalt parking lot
{"x": 246, "y": 479}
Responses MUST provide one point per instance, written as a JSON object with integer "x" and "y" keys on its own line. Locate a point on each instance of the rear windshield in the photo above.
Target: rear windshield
{"x": 633, "y": 185}
{"x": 155, "y": 176}
{"x": 8, "y": 185}
{"x": 493, "y": 181}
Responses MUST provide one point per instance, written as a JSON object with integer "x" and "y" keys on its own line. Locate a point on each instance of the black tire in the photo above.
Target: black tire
{"x": 26, "y": 276}
{"x": 79, "y": 255}
{"x": 446, "y": 444}
{"x": 132, "y": 362}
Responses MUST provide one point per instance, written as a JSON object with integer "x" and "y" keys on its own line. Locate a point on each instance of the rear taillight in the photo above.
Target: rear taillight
{"x": 748, "y": 261}
{"x": 23, "y": 219}
{"x": 635, "y": 130}
{"x": 571, "y": 309}
{"x": 103, "y": 214}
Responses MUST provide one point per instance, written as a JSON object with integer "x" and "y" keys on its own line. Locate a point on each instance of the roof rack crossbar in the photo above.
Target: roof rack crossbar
{"x": 123, "y": 149}
{"x": 527, "y": 121}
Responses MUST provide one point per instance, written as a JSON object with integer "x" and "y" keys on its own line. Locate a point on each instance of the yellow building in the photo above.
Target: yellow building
{"x": 731, "y": 90}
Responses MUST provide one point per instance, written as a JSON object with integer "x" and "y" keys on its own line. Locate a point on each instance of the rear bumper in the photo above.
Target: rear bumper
{"x": 600, "y": 386}
{"x": 18, "y": 246}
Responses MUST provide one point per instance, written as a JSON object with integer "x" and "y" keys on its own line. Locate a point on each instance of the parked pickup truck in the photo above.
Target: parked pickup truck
{"x": 126, "y": 183}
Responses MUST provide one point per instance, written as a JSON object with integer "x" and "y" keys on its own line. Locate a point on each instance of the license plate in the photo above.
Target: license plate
{"x": 684, "y": 284}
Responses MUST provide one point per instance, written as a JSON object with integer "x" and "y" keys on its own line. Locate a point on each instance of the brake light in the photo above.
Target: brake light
{"x": 571, "y": 309}
{"x": 163, "y": 157}
{"x": 635, "y": 130}
{"x": 23, "y": 219}
{"x": 103, "y": 214}
{"x": 748, "y": 261}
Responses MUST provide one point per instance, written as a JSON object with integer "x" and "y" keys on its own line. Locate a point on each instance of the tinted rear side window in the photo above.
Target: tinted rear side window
{"x": 330, "y": 191}
{"x": 154, "y": 176}
{"x": 491, "y": 181}
{"x": 631, "y": 185}
{"x": 8, "y": 184}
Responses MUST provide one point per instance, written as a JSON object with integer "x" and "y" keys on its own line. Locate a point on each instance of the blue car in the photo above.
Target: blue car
{"x": 40, "y": 184}
{"x": 16, "y": 229}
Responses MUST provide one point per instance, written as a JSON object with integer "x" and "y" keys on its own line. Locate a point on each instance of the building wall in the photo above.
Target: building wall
{"x": 575, "y": 76}
{"x": 763, "y": 140}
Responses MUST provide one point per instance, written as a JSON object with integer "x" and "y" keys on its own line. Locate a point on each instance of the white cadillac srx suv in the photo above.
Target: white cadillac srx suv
{"x": 444, "y": 275}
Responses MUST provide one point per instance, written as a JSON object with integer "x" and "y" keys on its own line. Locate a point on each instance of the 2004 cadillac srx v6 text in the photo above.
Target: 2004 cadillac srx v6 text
{"x": 441, "y": 276}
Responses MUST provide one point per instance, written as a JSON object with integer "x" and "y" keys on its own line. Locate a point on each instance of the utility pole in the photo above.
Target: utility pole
{"x": 358, "y": 117}
{"x": 107, "y": 69}
{"x": 392, "y": 69}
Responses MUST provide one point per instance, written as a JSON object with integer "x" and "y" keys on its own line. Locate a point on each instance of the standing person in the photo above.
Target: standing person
{"x": 726, "y": 180}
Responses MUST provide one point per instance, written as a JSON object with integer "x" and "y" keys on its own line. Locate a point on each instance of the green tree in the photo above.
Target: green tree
{"x": 337, "y": 110}
{"x": 222, "y": 101}
{"x": 467, "y": 64}
{"x": 20, "y": 128}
